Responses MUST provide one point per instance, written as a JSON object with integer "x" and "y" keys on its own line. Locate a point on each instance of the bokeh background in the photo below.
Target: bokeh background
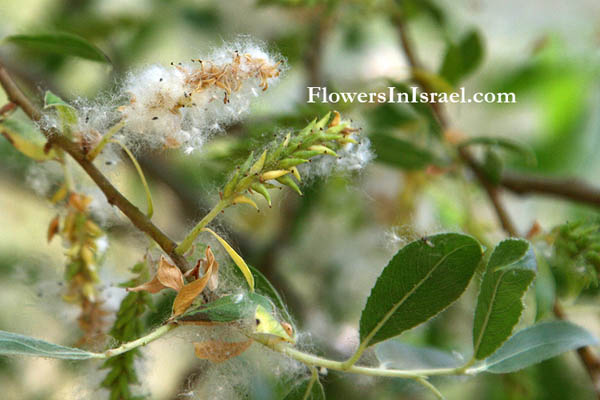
{"x": 323, "y": 250}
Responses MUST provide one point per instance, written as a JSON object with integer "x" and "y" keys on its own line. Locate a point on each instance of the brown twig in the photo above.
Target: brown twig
{"x": 113, "y": 196}
{"x": 566, "y": 188}
{"x": 573, "y": 190}
{"x": 492, "y": 192}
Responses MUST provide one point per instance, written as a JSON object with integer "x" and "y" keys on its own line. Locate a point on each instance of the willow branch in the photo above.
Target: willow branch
{"x": 565, "y": 188}
{"x": 113, "y": 196}
{"x": 492, "y": 192}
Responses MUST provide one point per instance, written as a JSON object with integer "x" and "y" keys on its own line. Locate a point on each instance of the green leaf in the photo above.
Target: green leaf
{"x": 493, "y": 166}
{"x": 514, "y": 146}
{"x": 227, "y": 308}
{"x": 389, "y": 116}
{"x": 60, "y": 43}
{"x": 21, "y": 345}
{"x": 66, "y": 112}
{"x": 536, "y": 344}
{"x": 463, "y": 58}
{"x": 264, "y": 287}
{"x": 401, "y": 153}
{"x": 398, "y": 355}
{"x": 510, "y": 271}
{"x": 420, "y": 281}
{"x": 301, "y": 391}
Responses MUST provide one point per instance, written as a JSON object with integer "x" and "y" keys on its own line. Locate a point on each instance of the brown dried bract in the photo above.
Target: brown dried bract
{"x": 230, "y": 77}
{"x": 167, "y": 276}
{"x": 189, "y": 292}
{"x": 218, "y": 351}
{"x": 53, "y": 228}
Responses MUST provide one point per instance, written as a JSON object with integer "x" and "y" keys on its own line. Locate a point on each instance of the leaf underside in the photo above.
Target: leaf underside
{"x": 536, "y": 344}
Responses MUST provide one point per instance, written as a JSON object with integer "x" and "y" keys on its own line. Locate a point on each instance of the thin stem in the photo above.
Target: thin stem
{"x": 357, "y": 354}
{"x": 313, "y": 379}
{"x": 141, "y": 175}
{"x": 67, "y": 173}
{"x": 104, "y": 141}
{"x": 565, "y": 188}
{"x": 189, "y": 239}
{"x": 430, "y": 386}
{"x": 144, "y": 340}
{"x": 312, "y": 360}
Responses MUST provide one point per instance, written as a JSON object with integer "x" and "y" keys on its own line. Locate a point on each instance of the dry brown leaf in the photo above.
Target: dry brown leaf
{"x": 189, "y": 292}
{"x": 154, "y": 286}
{"x": 211, "y": 262}
{"x": 167, "y": 276}
{"x": 218, "y": 351}
{"x": 53, "y": 228}
{"x": 194, "y": 273}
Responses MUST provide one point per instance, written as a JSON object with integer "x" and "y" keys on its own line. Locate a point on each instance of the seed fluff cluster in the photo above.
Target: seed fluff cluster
{"x": 182, "y": 104}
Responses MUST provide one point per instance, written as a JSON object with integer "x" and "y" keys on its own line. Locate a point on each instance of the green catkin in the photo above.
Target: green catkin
{"x": 128, "y": 326}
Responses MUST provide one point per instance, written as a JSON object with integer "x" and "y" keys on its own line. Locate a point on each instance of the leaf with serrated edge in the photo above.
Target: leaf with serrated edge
{"x": 509, "y": 272}
{"x": 536, "y": 344}
{"x": 420, "y": 281}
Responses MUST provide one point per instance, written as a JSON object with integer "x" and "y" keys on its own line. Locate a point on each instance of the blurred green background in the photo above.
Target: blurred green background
{"x": 323, "y": 250}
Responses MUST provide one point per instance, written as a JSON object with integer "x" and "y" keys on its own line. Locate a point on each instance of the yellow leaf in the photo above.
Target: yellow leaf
{"x": 60, "y": 194}
{"x": 239, "y": 261}
{"x": 31, "y": 149}
{"x": 218, "y": 351}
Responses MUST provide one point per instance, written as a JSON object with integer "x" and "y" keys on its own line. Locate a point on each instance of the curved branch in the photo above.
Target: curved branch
{"x": 113, "y": 196}
{"x": 565, "y": 188}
